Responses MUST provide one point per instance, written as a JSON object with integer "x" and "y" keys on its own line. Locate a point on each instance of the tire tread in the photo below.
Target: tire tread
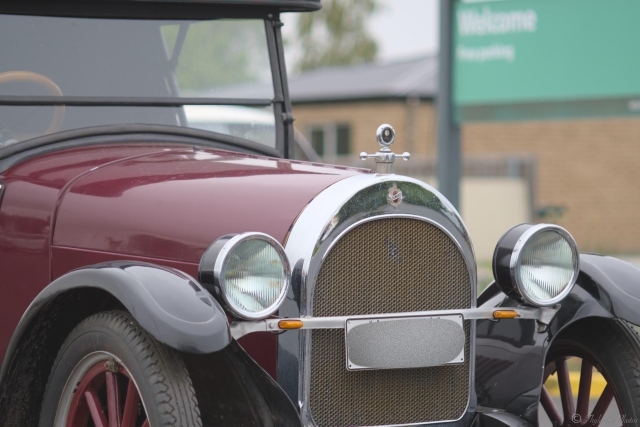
{"x": 616, "y": 346}
{"x": 166, "y": 374}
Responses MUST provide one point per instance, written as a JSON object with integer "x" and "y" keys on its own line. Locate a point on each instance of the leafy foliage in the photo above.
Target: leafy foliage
{"x": 220, "y": 53}
{"x": 337, "y": 34}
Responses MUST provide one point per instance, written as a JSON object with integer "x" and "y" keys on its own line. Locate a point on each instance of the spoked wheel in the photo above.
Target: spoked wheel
{"x": 95, "y": 393}
{"x": 609, "y": 347}
{"x": 111, "y": 373}
{"x": 576, "y": 411}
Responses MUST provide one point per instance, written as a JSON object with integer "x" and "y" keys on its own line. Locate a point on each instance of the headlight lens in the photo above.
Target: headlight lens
{"x": 253, "y": 277}
{"x": 547, "y": 266}
{"x": 249, "y": 273}
{"x": 537, "y": 264}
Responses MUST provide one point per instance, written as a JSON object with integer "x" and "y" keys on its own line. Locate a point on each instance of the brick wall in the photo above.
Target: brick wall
{"x": 365, "y": 117}
{"x": 589, "y": 167}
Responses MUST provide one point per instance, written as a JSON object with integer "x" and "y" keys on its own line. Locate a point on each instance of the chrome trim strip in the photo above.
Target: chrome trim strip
{"x": 240, "y": 328}
{"x": 339, "y": 207}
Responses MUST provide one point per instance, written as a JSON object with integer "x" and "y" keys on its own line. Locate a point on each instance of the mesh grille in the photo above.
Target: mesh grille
{"x": 387, "y": 266}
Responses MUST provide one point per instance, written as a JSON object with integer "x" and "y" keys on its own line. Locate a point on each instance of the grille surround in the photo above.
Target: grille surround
{"x": 322, "y": 223}
{"x": 363, "y": 398}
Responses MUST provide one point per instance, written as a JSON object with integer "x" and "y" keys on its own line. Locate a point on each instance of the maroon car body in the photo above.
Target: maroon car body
{"x": 83, "y": 206}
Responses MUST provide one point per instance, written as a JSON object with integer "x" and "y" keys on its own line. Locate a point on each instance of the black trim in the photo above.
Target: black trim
{"x": 206, "y": 267}
{"x": 488, "y": 417}
{"x": 278, "y": 93}
{"x": 236, "y": 391}
{"x": 156, "y": 9}
{"x": 287, "y": 114}
{"x": 285, "y": 141}
{"x": 264, "y": 390}
{"x": 501, "y": 261}
{"x": 140, "y": 138}
{"x": 208, "y": 138}
{"x": 128, "y": 101}
{"x": 489, "y": 292}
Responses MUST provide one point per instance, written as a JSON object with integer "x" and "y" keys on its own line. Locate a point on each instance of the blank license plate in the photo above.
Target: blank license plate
{"x": 404, "y": 342}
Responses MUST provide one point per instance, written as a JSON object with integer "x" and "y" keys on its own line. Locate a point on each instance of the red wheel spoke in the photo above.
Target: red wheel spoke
{"x": 113, "y": 399}
{"x": 95, "y": 408}
{"x": 566, "y": 396}
{"x": 601, "y": 406}
{"x": 131, "y": 406}
{"x": 146, "y": 423}
{"x": 550, "y": 407}
{"x": 584, "y": 390}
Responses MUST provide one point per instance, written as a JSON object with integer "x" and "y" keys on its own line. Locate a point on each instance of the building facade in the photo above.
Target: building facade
{"x": 582, "y": 174}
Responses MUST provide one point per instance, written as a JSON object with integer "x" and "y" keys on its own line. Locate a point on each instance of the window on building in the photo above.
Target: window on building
{"x": 331, "y": 140}
{"x": 317, "y": 140}
{"x": 343, "y": 140}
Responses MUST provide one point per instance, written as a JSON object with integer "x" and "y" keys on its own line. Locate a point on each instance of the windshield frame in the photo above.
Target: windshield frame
{"x": 280, "y": 103}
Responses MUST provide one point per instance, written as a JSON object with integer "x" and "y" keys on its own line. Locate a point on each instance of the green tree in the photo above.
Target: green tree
{"x": 219, "y": 53}
{"x": 337, "y": 34}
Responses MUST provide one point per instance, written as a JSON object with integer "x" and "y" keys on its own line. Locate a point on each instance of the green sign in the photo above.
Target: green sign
{"x": 537, "y": 59}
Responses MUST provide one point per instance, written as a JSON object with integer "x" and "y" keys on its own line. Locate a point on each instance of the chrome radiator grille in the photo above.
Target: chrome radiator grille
{"x": 390, "y": 265}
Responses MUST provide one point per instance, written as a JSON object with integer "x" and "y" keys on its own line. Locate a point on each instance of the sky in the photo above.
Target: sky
{"x": 402, "y": 28}
{"x": 405, "y": 28}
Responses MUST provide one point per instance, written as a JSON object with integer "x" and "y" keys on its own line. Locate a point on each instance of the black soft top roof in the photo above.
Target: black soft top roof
{"x": 157, "y": 9}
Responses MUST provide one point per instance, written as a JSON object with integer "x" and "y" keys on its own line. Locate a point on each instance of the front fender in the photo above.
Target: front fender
{"x": 613, "y": 283}
{"x": 510, "y": 355}
{"x": 167, "y": 303}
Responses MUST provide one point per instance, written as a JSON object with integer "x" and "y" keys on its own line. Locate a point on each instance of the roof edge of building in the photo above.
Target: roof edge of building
{"x": 374, "y": 98}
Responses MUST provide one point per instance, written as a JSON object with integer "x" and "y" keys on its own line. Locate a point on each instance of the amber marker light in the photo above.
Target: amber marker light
{"x": 290, "y": 324}
{"x": 504, "y": 314}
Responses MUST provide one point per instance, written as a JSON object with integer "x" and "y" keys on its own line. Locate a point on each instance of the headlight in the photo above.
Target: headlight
{"x": 249, "y": 272}
{"x": 536, "y": 264}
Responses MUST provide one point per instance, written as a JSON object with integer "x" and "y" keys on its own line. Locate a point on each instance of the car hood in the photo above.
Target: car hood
{"x": 173, "y": 203}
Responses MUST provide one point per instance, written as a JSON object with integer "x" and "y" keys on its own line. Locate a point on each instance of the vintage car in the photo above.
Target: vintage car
{"x": 154, "y": 273}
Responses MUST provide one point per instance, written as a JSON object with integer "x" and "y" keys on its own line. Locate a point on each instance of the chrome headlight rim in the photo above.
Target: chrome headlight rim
{"x": 229, "y": 243}
{"x": 516, "y": 262}
{"x": 516, "y": 288}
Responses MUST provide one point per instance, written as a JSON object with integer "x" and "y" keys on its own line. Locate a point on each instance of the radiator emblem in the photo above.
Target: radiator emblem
{"x": 394, "y": 197}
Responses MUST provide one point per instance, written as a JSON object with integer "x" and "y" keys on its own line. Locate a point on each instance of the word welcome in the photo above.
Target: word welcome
{"x": 472, "y": 22}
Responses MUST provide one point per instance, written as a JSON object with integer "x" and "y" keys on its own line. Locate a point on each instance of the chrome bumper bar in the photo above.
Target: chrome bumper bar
{"x": 241, "y": 328}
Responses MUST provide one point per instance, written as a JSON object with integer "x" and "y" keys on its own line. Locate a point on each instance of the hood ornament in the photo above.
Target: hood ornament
{"x": 385, "y": 135}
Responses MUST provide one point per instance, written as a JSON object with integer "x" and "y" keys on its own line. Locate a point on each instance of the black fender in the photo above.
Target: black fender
{"x": 239, "y": 392}
{"x": 169, "y": 304}
{"x": 510, "y": 354}
{"x": 614, "y": 285}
